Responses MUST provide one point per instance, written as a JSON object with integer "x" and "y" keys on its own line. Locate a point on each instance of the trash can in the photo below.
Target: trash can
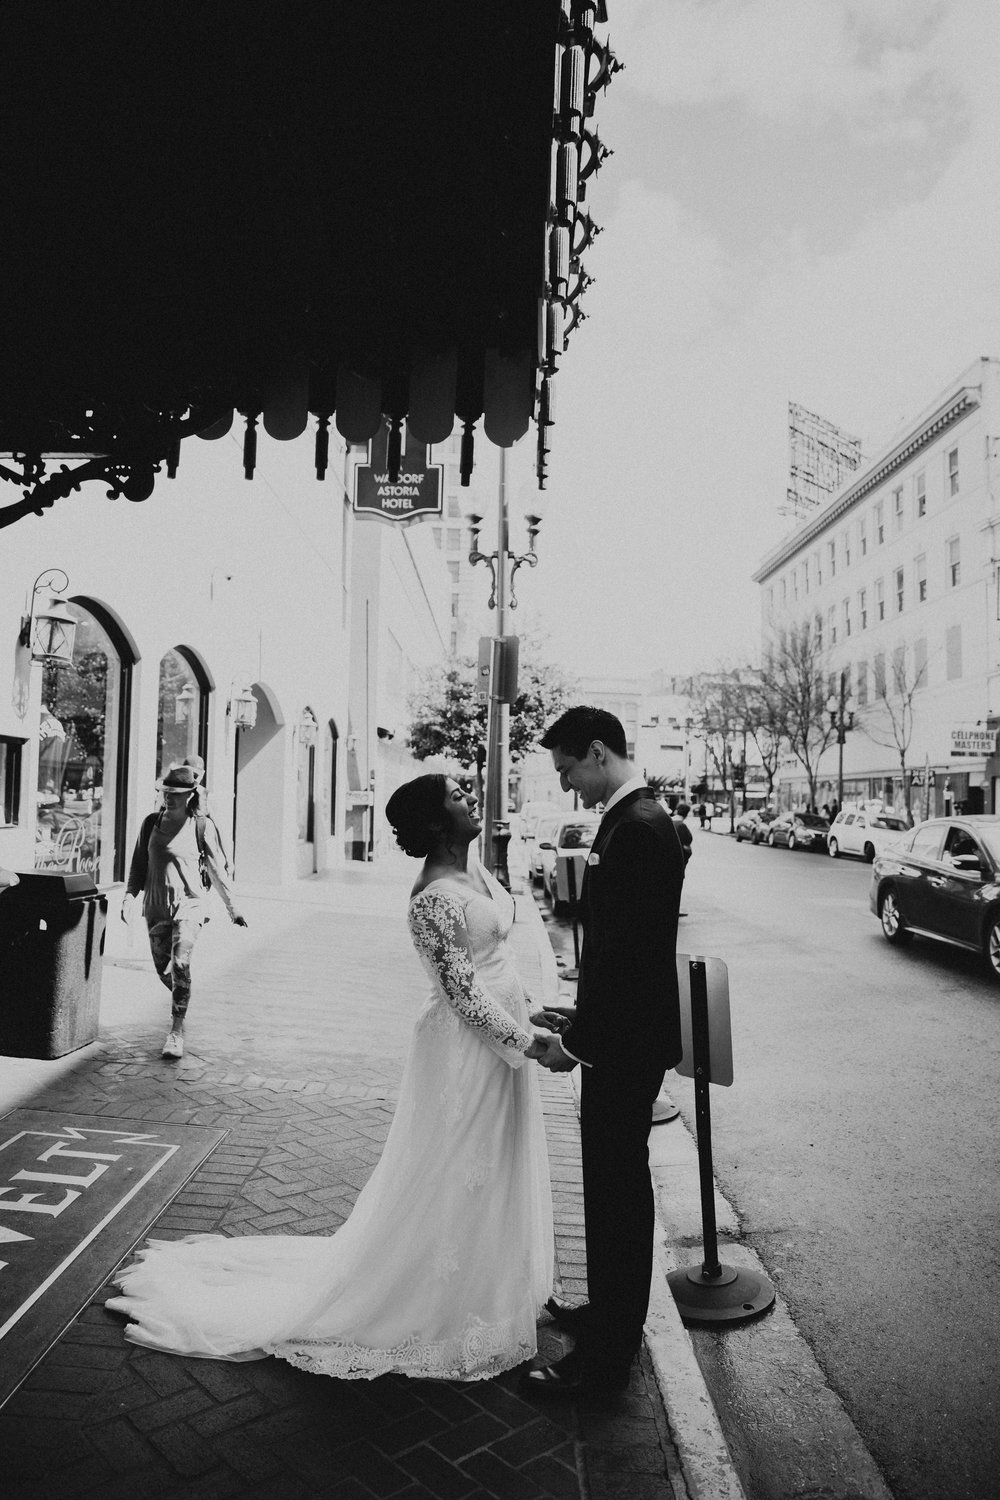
{"x": 51, "y": 953}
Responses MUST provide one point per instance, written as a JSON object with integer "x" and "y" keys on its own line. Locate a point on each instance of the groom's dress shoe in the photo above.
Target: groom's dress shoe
{"x": 560, "y": 1379}
{"x": 569, "y": 1376}
{"x": 569, "y": 1319}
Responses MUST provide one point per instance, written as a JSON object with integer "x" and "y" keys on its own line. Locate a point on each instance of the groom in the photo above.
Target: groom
{"x": 625, "y": 1032}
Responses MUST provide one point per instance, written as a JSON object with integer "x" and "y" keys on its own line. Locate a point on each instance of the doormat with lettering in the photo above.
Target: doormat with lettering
{"x": 76, "y": 1193}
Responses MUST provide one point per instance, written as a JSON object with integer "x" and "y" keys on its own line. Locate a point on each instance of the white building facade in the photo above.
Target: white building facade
{"x": 898, "y": 579}
{"x": 215, "y": 594}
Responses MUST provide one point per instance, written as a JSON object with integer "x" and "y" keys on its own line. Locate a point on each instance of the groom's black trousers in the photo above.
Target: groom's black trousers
{"x": 615, "y": 1117}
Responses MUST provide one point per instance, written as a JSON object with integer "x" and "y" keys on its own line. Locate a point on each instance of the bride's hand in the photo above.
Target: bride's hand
{"x": 536, "y": 1049}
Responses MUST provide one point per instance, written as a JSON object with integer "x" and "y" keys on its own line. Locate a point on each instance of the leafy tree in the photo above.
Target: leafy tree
{"x": 446, "y": 720}
{"x": 77, "y": 695}
{"x": 794, "y": 675}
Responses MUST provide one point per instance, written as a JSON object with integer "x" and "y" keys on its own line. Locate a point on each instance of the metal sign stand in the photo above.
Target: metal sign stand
{"x": 574, "y": 972}
{"x": 711, "y": 1292}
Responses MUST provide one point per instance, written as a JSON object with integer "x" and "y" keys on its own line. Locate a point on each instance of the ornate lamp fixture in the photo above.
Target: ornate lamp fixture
{"x": 533, "y": 520}
{"x": 841, "y": 707}
{"x": 50, "y": 631}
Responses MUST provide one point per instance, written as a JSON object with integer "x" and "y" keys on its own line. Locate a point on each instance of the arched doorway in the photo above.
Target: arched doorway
{"x": 259, "y": 797}
{"x": 83, "y": 751}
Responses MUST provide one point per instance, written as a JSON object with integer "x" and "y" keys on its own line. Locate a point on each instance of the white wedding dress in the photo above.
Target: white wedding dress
{"x": 446, "y": 1259}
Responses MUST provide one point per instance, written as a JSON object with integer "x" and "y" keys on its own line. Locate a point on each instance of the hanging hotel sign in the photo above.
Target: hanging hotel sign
{"x": 973, "y": 742}
{"x": 416, "y": 491}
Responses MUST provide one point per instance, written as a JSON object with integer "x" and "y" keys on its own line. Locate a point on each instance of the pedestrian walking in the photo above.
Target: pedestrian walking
{"x": 679, "y": 816}
{"x": 178, "y": 858}
{"x": 625, "y": 1032}
{"x": 444, "y": 1264}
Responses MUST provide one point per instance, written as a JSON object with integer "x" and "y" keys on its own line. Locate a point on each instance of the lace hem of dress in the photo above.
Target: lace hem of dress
{"x": 482, "y": 1352}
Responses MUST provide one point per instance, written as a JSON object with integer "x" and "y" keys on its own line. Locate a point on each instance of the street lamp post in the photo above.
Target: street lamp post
{"x": 840, "y": 706}
{"x": 503, "y": 565}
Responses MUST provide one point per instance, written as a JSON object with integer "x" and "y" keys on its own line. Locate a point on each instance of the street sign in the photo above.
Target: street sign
{"x": 508, "y": 651}
{"x": 483, "y": 669}
{"x": 711, "y": 1293}
{"x": 415, "y": 493}
{"x": 720, "y": 1036}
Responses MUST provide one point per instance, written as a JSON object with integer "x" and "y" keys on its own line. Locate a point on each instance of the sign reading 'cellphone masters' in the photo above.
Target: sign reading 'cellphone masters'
{"x": 415, "y": 493}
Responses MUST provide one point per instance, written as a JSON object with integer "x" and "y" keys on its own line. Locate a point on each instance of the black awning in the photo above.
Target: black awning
{"x": 274, "y": 206}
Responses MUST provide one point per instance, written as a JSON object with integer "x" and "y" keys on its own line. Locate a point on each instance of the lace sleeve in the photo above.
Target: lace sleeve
{"x": 437, "y": 926}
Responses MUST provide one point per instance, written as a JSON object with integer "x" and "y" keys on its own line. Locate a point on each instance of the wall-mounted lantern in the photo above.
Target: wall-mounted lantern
{"x": 242, "y": 706}
{"x": 184, "y": 704}
{"x": 308, "y": 729}
{"x": 49, "y": 630}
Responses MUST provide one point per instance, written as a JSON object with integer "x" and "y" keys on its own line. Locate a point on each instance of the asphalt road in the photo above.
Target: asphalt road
{"x": 859, "y": 1145}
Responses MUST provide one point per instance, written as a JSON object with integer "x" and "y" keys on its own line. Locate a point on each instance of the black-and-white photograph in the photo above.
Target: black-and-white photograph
{"x": 499, "y": 772}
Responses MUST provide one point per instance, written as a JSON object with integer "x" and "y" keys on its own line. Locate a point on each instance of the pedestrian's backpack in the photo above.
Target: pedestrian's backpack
{"x": 199, "y": 832}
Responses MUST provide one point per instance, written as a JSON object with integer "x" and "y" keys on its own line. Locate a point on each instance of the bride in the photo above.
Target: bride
{"x": 446, "y": 1259}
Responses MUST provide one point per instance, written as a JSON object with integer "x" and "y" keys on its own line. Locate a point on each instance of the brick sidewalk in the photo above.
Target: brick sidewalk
{"x": 296, "y": 1040}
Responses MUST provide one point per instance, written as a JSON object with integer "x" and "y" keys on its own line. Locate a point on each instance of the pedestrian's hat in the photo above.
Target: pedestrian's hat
{"x": 180, "y": 779}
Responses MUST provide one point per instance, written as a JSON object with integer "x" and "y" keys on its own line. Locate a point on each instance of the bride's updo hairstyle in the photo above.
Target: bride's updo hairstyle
{"x": 416, "y": 814}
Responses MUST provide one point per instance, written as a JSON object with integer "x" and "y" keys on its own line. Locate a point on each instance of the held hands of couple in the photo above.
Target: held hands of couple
{"x": 547, "y": 1051}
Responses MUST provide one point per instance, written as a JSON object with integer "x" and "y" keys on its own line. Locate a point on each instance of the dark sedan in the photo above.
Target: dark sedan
{"x": 799, "y": 830}
{"x": 942, "y": 881}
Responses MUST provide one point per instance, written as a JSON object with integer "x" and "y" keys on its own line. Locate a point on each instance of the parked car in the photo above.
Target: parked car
{"x": 942, "y": 881}
{"x": 753, "y": 824}
{"x": 543, "y": 830}
{"x": 530, "y": 814}
{"x": 799, "y": 830}
{"x": 864, "y": 831}
{"x": 572, "y": 838}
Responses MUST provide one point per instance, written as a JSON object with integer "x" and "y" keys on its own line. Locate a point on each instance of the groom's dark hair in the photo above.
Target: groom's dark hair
{"x": 576, "y": 730}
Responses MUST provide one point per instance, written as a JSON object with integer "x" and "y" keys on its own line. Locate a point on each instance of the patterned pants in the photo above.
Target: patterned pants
{"x": 171, "y": 944}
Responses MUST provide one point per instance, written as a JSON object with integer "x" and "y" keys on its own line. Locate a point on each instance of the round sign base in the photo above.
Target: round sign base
{"x": 732, "y": 1297}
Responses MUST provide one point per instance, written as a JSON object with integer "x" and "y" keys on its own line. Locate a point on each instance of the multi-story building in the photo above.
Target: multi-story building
{"x": 656, "y": 714}
{"x": 898, "y": 580}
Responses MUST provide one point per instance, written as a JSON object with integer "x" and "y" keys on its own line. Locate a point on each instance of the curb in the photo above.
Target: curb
{"x": 707, "y": 1464}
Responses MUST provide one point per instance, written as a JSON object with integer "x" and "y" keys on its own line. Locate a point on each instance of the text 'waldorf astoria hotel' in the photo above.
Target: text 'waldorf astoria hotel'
{"x": 897, "y": 579}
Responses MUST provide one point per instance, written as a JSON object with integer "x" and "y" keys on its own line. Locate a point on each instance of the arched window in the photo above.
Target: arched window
{"x": 182, "y": 709}
{"x": 83, "y": 749}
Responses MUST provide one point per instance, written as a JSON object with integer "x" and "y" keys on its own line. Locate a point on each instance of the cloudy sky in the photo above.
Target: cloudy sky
{"x": 802, "y": 205}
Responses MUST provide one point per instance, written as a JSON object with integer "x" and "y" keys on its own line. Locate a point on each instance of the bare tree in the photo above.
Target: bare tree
{"x": 764, "y": 722}
{"x": 891, "y": 721}
{"x": 719, "y": 702}
{"x": 794, "y": 681}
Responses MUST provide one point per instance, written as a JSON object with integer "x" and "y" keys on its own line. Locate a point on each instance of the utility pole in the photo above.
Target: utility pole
{"x": 502, "y": 671}
{"x": 498, "y": 712}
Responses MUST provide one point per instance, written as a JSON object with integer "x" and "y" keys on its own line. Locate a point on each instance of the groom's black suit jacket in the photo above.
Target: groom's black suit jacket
{"x": 627, "y": 1008}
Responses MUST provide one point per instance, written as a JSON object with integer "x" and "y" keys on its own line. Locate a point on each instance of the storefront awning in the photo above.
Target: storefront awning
{"x": 306, "y": 214}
